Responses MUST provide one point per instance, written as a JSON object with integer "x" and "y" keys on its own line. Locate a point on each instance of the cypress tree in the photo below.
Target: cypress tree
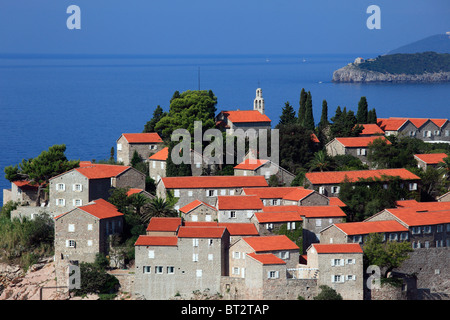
{"x": 287, "y": 115}
{"x": 372, "y": 116}
{"x": 324, "y": 117}
{"x": 309, "y": 117}
{"x": 302, "y": 109}
{"x": 362, "y": 113}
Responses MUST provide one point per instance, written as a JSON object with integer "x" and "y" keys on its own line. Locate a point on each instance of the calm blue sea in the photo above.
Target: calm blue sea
{"x": 86, "y": 102}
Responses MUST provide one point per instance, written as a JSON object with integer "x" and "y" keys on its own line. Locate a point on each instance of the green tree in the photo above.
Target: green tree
{"x": 158, "y": 207}
{"x": 324, "y": 116}
{"x": 387, "y": 255}
{"x": 158, "y": 113}
{"x": 111, "y": 154}
{"x": 138, "y": 201}
{"x": 362, "y": 113}
{"x": 185, "y": 109}
{"x": 119, "y": 198}
{"x": 372, "y": 116}
{"x": 136, "y": 159}
{"x": 95, "y": 280}
{"x": 327, "y": 293}
{"x": 40, "y": 169}
{"x": 321, "y": 162}
{"x": 309, "y": 116}
{"x": 302, "y": 108}
{"x": 287, "y": 115}
{"x": 344, "y": 124}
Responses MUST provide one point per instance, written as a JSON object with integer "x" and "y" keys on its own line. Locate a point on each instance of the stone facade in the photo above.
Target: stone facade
{"x": 201, "y": 213}
{"x": 125, "y": 148}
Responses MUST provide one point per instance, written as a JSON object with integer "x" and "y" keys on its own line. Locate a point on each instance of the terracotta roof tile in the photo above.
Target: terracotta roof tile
{"x": 431, "y": 158}
{"x": 282, "y": 216}
{"x": 251, "y": 164}
{"x": 270, "y": 192}
{"x": 338, "y": 248}
{"x": 164, "y": 224}
{"x": 417, "y": 216}
{"x": 371, "y": 128}
{"x": 99, "y": 208}
{"x": 266, "y": 258}
{"x": 201, "y": 232}
{"x": 354, "y": 142}
{"x": 270, "y": 243}
{"x": 309, "y": 211}
{"x": 239, "y": 203}
{"x": 366, "y": 227}
{"x": 194, "y": 204}
{"x": 161, "y": 155}
{"x": 151, "y": 137}
{"x": 101, "y": 171}
{"x": 335, "y": 201}
{"x": 240, "y": 116}
{"x": 156, "y": 241}
{"x": 214, "y": 182}
{"x": 336, "y": 177}
{"x": 234, "y": 228}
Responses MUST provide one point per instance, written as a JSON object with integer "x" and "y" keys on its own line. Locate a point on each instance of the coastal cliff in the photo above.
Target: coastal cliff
{"x": 352, "y": 73}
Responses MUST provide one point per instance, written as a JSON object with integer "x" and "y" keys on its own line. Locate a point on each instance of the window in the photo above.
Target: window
{"x": 404, "y": 236}
{"x": 210, "y": 242}
{"x": 437, "y": 133}
{"x": 273, "y": 274}
{"x": 211, "y": 193}
{"x": 351, "y": 261}
{"x": 170, "y": 270}
{"x": 195, "y": 242}
{"x": 392, "y": 237}
{"x": 119, "y": 147}
{"x": 357, "y": 239}
{"x": 322, "y": 190}
{"x": 337, "y": 278}
{"x": 284, "y": 255}
{"x": 335, "y": 189}
{"x": 198, "y": 273}
{"x": 190, "y": 193}
{"x": 194, "y": 217}
{"x": 90, "y": 227}
{"x": 416, "y": 230}
{"x": 71, "y": 227}
{"x": 337, "y": 262}
{"x": 147, "y": 269}
{"x": 158, "y": 269}
{"x": 269, "y": 226}
{"x": 210, "y": 257}
{"x": 439, "y": 243}
{"x": 70, "y": 243}
{"x": 291, "y": 225}
{"x": 77, "y": 202}
{"x": 77, "y": 187}
{"x": 162, "y": 165}
{"x": 447, "y": 133}
{"x": 427, "y": 229}
{"x": 208, "y": 217}
{"x": 439, "y": 228}
{"x": 176, "y": 193}
{"x": 233, "y": 214}
{"x": 153, "y": 164}
{"x": 318, "y": 222}
{"x": 195, "y": 257}
{"x": 350, "y": 277}
{"x": 151, "y": 254}
{"x": 427, "y": 244}
{"x": 235, "y": 270}
{"x": 198, "y": 165}
{"x": 361, "y": 152}
{"x": 89, "y": 243}
{"x": 60, "y": 187}
{"x": 413, "y": 186}
{"x": 223, "y": 192}
{"x": 236, "y": 255}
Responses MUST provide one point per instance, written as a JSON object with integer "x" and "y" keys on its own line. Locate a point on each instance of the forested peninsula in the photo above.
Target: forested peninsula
{"x": 416, "y": 67}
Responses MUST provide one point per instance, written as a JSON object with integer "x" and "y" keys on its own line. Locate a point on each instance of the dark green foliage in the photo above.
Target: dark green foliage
{"x": 366, "y": 197}
{"x": 287, "y": 115}
{"x": 363, "y": 110}
{"x": 344, "y": 123}
{"x": 135, "y": 159}
{"x": 177, "y": 170}
{"x": 295, "y": 235}
{"x": 94, "y": 279}
{"x": 157, "y": 115}
{"x": 119, "y": 198}
{"x": 416, "y": 63}
{"x": 348, "y": 162}
{"x": 372, "y": 116}
{"x": 327, "y": 293}
{"x": 273, "y": 181}
{"x": 309, "y": 116}
{"x": 159, "y": 207}
{"x": 296, "y": 147}
{"x": 302, "y": 108}
{"x": 324, "y": 116}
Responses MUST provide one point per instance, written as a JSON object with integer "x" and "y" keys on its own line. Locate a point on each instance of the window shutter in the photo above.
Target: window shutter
{"x": 67, "y": 243}
{"x": 332, "y": 262}
{"x": 277, "y": 274}
{"x": 332, "y": 278}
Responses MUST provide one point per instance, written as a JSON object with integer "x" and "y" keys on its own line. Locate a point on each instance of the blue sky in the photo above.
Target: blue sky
{"x": 217, "y": 27}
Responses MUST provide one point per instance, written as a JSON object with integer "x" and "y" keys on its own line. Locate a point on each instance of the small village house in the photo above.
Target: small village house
{"x": 145, "y": 144}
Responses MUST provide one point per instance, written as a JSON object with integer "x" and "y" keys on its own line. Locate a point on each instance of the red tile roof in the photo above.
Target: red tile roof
{"x": 270, "y": 243}
{"x": 134, "y": 191}
{"x": 151, "y": 137}
{"x": 99, "y": 208}
{"x": 194, "y": 204}
{"x": 335, "y": 201}
{"x": 355, "y": 142}
{"x": 270, "y": 192}
{"x": 371, "y": 128}
{"x": 251, "y": 164}
{"x": 26, "y": 184}
{"x": 101, "y": 171}
{"x": 239, "y": 203}
{"x": 431, "y": 158}
{"x": 309, "y": 211}
{"x": 164, "y": 224}
{"x": 246, "y": 116}
{"x": 394, "y": 123}
{"x": 201, "y": 232}
{"x": 298, "y": 194}
{"x": 282, "y": 216}
{"x": 235, "y": 229}
{"x": 161, "y": 155}
{"x": 213, "y": 182}
{"x": 338, "y": 248}
{"x": 266, "y": 258}
{"x": 156, "y": 241}
{"x": 422, "y": 206}
{"x": 314, "y": 138}
{"x": 366, "y": 227}
{"x": 417, "y": 216}
{"x": 336, "y": 177}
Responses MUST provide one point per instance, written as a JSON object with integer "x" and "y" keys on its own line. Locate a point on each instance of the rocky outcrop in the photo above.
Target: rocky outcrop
{"x": 352, "y": 74}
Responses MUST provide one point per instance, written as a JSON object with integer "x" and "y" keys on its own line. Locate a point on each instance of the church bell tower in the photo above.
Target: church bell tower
{"x": 258, "y": 103}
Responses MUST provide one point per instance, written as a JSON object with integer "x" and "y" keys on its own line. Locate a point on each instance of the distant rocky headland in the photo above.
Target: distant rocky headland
{"x": 417, "y": 67}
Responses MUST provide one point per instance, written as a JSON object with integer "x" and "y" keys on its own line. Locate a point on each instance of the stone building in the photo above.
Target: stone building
{"x": 371, "y": 129}
{"x": 145, "y": 144}
{"x": 198, "y": 211}
{"x": 276, "y": 196}
{"x": 237, "y": 230}
{"x": 425, "y": 161}
{"x": 81, "y": 185}
{"x": 354, "y": 146}
{"x": 428, "y": 130}
{"x": 266, "y": 168}
{"x": 339, "y": 266}
{"x": 168, "y": 266}
{"x": 163, "y": 226}
{"x": 238, "y": 208}
{"x": 22, "y": 191}
{"x": 205, "y": 188}
{"x": 269, "y": 223}
{"x": 327, "y": 183}
{"x": 83, "y": 232}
